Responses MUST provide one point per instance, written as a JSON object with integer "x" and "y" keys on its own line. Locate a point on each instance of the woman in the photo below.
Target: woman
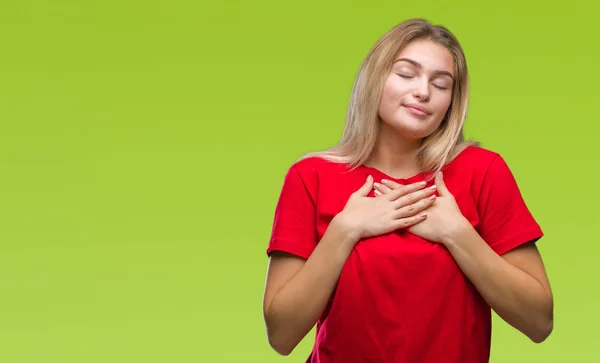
{"x": 399, "y": 241}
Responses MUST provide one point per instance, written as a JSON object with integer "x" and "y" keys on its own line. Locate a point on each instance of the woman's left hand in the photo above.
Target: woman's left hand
{"x": 444, "y": 217}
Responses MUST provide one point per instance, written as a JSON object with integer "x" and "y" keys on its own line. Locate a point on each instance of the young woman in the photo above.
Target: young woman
{"x": 399, "y": 241}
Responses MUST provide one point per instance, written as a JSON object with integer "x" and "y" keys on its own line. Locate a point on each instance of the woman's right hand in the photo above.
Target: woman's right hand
{"x": 403, "y": 207}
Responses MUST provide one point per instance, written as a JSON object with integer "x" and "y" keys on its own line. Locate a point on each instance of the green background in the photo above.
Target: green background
{"x": 143, "y": 146}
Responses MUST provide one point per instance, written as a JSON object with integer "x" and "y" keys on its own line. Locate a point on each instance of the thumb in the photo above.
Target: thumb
{"x": 441, "y": 185}
{"x": 365, "y": 189}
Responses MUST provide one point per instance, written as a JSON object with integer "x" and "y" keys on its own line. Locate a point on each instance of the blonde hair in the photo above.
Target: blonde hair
{"x": 362, "y": 121}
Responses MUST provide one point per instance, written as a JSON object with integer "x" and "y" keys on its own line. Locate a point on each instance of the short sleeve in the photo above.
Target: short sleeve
{"x": 294, "y": 224}
{"x": 506, "y": 221}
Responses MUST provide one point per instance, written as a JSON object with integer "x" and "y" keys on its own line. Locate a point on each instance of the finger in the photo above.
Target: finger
{"x": 365, "y": 189}
{"x": 414, "y": 197}
{"x": 414, "y": 208}
{"x": 441, "y": 185}
{"x": 405, "y": 190}
{"x": 409, "y": 221}
{"x": 381, "y": 188}
{"x": 391, "y": 184}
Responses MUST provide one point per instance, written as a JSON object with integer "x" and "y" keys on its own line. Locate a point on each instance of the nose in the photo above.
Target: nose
{"x": 422, "y": 91}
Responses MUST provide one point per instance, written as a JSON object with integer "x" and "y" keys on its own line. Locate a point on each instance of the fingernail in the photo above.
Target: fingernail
{"x": 369, "y": 178}
{"x": 385, "y": 181}
{"x": 423, "y": 183}
{"x": 377, "y": 193}
{"x": 433, "y": 187}
{"x": 377, "y": 185}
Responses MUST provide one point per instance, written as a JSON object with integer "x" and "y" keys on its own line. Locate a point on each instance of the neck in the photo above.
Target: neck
{"x": 394, "y": 155}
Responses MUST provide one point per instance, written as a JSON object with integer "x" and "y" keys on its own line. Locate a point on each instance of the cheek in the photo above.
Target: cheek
{"x": 442, "y": 105}
{"x": 392, "y": 90}
{"x": 387, "y": 98}
{"x": 388, "y": 92}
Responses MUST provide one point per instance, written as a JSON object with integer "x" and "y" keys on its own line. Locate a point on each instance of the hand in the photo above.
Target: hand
{"x": 373, "y": 216}
{"x": 444, "y": 217}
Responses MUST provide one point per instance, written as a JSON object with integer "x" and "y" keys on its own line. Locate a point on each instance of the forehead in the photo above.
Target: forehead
{"x": 430, "y": 55}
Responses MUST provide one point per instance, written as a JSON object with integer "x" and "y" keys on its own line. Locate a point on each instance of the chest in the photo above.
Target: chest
{"x": 333, "y": 194}
{"x": 398, "y": 261}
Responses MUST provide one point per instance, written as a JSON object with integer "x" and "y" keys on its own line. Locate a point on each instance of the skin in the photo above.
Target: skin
{"x": 515, "y": 284}
{"x": 297, "y": 290}
{"x": 421, "y": 75}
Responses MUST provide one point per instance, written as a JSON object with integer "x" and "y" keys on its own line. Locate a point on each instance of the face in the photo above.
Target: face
{"x": 418, "y": 91}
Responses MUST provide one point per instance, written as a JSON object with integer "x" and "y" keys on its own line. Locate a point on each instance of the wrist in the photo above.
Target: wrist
{"x": 457, "y": 232}
{"x": 346, "y": 230}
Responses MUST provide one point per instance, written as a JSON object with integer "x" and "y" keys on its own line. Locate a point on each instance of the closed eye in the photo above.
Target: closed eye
{"x": 433, "y": 84}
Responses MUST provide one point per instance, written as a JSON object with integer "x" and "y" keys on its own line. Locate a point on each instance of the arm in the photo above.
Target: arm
{"x": 515, "y": 284}
{"x": 298, "y": 290}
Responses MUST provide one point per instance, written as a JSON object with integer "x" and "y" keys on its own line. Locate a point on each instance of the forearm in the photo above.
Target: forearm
{"x": 297, "y": 306}
{"x": 515, "y": 296}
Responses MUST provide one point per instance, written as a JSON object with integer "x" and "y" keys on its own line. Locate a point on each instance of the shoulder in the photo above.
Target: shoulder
{"x": 315, "y": 166}
{"x": 487, "y": 175}
{"x": 477, "y": 155}
{"x": 477, "y": 168}
{"x": 308, "y": 173}
{"x": 476, "y": 159}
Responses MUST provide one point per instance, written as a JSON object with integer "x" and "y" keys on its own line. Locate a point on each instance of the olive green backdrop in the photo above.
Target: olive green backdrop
{"x": 143, "y": 145}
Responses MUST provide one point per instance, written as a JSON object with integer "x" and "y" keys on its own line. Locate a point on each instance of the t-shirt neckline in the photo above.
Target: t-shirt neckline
{"x": 378, "y": 174}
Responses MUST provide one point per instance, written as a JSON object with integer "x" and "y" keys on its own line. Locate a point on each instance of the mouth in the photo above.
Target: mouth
{"x": 417, "y": 109}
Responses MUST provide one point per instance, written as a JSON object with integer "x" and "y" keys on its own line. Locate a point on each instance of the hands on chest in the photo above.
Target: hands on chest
{"x": 395, "y": 206}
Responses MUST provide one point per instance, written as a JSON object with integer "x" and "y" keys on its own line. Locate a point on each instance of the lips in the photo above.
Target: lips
{"x": 419, "y": 109}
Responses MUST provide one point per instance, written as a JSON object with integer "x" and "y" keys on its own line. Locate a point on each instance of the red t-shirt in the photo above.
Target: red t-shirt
{"x": 400, "y": 298}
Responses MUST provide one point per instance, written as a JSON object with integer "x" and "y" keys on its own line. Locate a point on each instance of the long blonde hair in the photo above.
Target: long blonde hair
{"x": 362, "y": 121}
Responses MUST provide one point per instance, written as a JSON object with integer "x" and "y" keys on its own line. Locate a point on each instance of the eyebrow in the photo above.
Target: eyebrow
{"x": 418, "y": 65}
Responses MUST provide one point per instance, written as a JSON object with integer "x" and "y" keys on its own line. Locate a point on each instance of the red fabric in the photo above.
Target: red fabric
{"x": 400, "y": 298}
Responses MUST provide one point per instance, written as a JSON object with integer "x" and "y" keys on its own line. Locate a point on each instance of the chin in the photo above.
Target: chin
{"x": 416, "y": 135}
{"x": 410, "y": 130}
